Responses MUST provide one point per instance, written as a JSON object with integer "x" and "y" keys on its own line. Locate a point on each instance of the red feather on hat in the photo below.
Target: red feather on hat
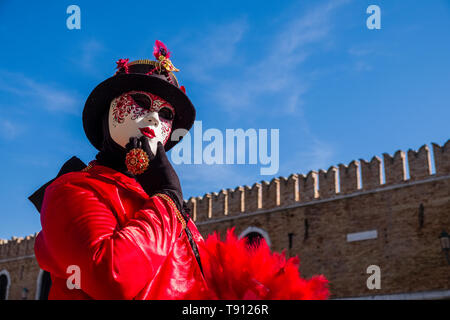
{"x": 160, "y": 49}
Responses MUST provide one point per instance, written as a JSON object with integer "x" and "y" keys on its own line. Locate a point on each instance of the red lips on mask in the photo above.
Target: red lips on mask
{"x": 147, "y": 132}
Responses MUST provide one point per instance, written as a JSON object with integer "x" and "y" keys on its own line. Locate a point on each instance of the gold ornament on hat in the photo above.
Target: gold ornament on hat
{"x": 162, "y": 55}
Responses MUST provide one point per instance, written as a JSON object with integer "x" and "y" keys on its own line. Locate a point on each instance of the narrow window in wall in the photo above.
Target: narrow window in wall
{"x": 421, "y": 215}
{"x": 291, "y": 238}
{"x": 306, "y": 234}
{"x": 21, "y": 272}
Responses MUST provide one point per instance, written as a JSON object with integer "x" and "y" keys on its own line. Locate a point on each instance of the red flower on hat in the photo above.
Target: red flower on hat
{"x": 160, "y": 49}
{"x": 122, "y": 63}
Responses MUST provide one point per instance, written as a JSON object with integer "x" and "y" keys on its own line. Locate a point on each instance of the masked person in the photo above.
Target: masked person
{"x": 119, "y": 223}
{"x": 119, "y": 228}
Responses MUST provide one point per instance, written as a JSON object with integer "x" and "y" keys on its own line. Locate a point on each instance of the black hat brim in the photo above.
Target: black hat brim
{"x": 100, "y": 99}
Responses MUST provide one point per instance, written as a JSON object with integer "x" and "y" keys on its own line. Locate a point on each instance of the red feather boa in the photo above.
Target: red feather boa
{"x": 235, "y": 271}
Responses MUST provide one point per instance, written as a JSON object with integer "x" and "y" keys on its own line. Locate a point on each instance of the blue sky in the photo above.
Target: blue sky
{"x": 336, "y": 90}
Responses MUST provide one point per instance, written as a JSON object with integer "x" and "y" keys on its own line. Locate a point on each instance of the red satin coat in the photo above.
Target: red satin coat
{"x": 126, "y": 244}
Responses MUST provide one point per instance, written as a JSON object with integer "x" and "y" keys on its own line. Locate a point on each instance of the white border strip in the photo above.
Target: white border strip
{"x": 424, "y": 295}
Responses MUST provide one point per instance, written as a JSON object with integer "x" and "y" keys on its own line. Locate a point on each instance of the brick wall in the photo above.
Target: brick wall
{"x": 321, "y": 208}
{"x": 17, "y": 259}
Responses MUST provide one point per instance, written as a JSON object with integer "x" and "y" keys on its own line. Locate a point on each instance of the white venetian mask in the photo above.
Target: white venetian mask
{"x": 138, "y": 113}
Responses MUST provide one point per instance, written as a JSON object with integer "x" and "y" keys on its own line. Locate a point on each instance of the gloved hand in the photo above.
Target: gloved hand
{"x": 160, "y": 176}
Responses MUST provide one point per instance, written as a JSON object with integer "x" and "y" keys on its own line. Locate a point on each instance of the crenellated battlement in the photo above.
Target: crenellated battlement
{"x": 271, "y": 193}
{"x": 395, "y": 167}
{"x": 289, "y": 189}
{"x": 328, "y": 183}
{"x": 309, "y": 186}
{"x": 17, "y": 247}
{"x": 204, "y": 207}
{"x": 253, "y": 197}
{"x": 219, "y": 203}
{"x": 236, "y": 200}
{"x": 355, "y": 177}
{"x": 419, "y": 163}
{"x": 371, "y": 173}
{"x": 442, "y": 158}
{"x": 349, "y": 177}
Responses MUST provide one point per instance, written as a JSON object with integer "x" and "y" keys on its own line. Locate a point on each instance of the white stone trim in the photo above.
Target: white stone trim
{"x": 6, "y": 273}
{"x": 262, "y": 232}
{"x": 424, "y": 295}
{"x": 17, "y": 258}
{"x": 38, "y": 284}
{"x": 359, "y": 236}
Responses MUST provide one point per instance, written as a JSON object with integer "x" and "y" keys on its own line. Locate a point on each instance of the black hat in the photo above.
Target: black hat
{"x": 155, "y": 77}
